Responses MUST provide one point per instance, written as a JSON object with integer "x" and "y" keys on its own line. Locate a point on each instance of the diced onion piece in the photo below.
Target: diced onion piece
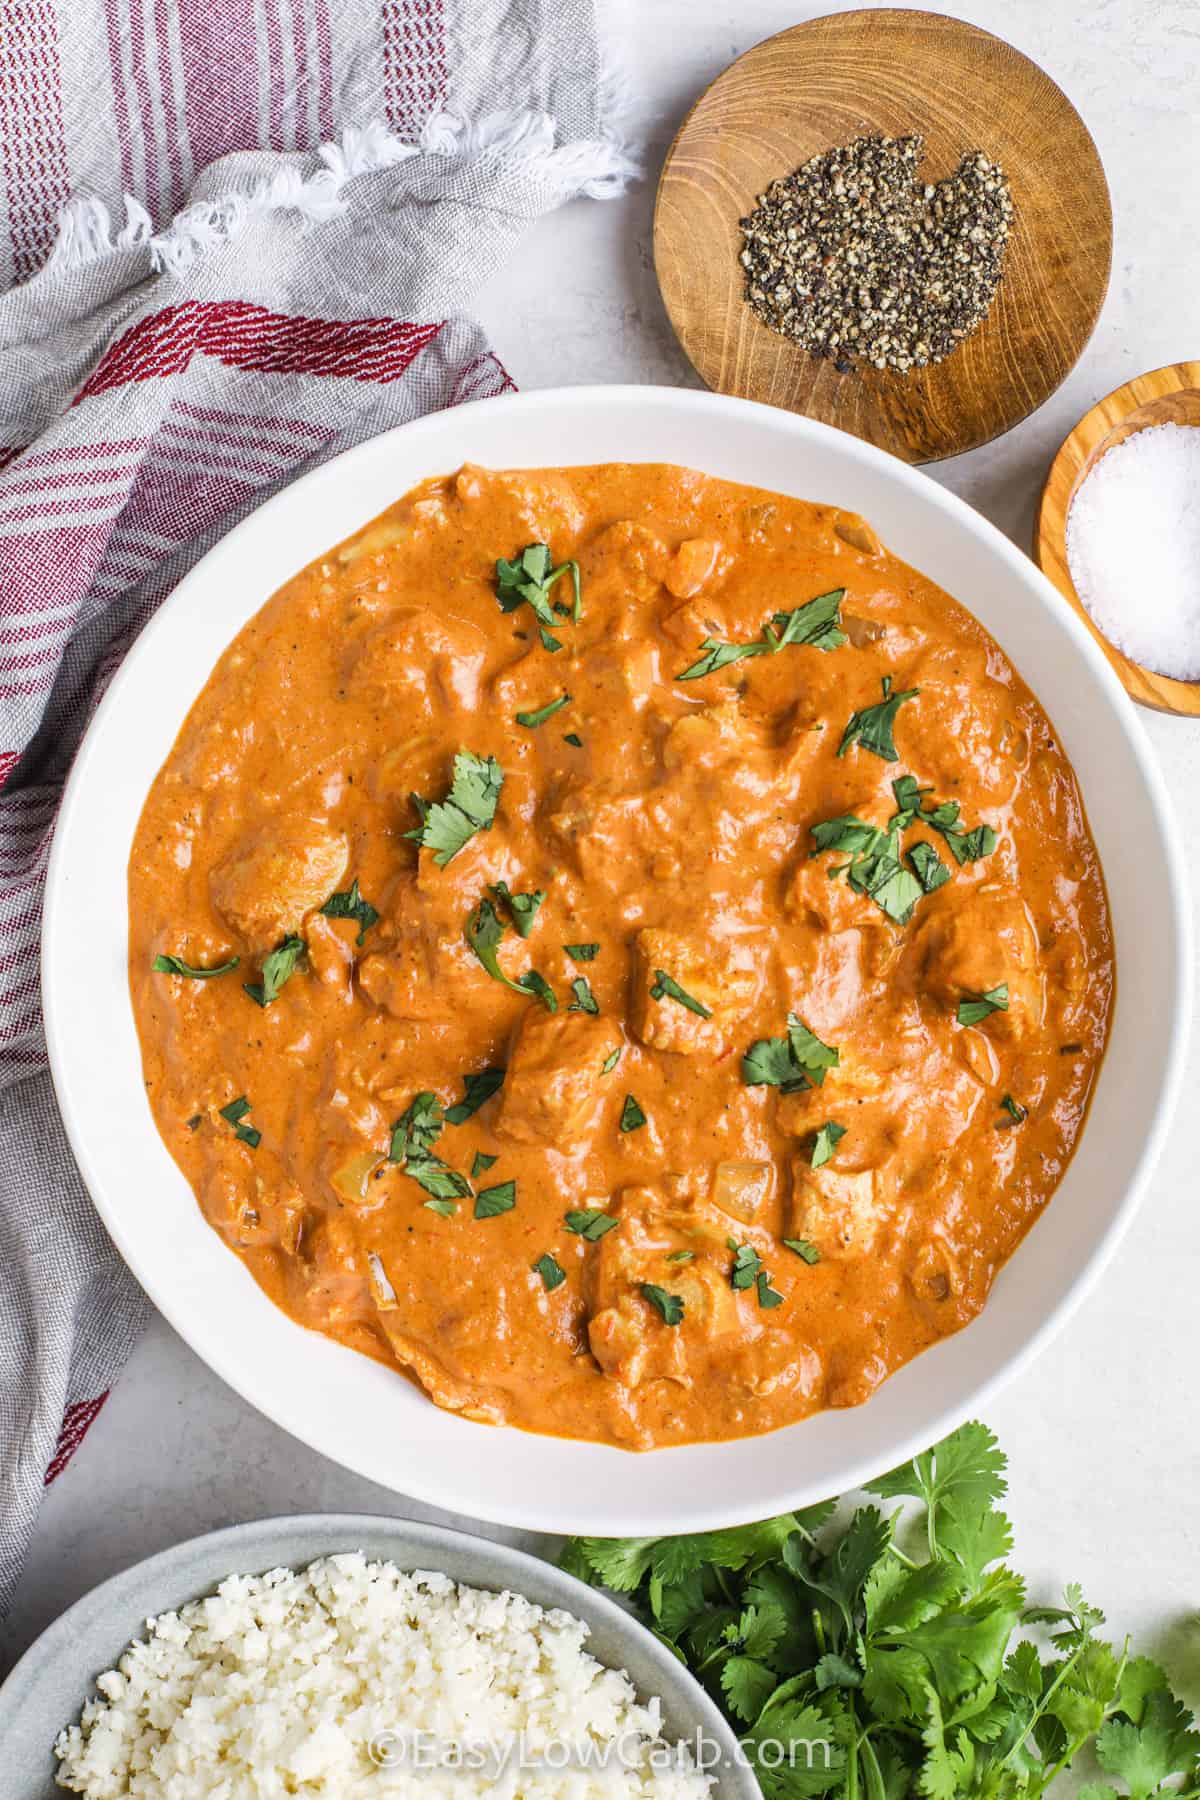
{"x": 742, "y": 1188}
{"x": 385, "y": 1293}
{"x": 352, "y": 1177}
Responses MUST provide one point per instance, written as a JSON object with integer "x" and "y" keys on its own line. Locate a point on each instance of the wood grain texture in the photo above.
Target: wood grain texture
{"x": 1167, "y": 396}
{"x": 824, "y": 83}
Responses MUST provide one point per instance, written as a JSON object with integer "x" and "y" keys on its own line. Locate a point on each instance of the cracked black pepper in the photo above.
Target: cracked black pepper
{"x": 859, "y": 261}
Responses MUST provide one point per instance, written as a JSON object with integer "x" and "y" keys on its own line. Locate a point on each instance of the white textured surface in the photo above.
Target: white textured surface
{"x": 1103, "y": 1433}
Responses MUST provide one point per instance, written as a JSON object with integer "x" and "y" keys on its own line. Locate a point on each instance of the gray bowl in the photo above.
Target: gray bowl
{"x": 49, "y": 1685}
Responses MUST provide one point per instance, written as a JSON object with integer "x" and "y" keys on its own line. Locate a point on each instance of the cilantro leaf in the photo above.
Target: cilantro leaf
{"x": 767, "y": 1295}
{"x": 790, "y": 1064}
{"x": 175, "y": 965}
{"x": 485, "y": 933}
{"x": 817, "y": 623}
{"x": 417, "y": 1129}
{"x": 967, "y": 1468}
{"x": 276, "y": 969}
{"x": 1017, "y": 1114}
{"x": 872, "y": 726}
{"x": 590, "y": 1222}
{"x": 931, "y": 871}
{"x": 470, "y": 806}
{"x": 585, "y": 1001}
{"x": 826, "y": 1142}
{"x": 235, "y": 1114}
{"x": 351, "y": 905}
{"x": 528, "y": 579}
{"x": 807, "y": 1252}
{"x": 632, "y": 1116}
{"x": 552, "y": 1273}
{"x": 490, "y": 1202}
{"x": 668, "y": 1306}
{"x": 665, "y": 987}
{"x": 611, "y": 1060}
{"x": 747, "y": 1685}
{"x": 981, "y": 1006}
{"x": 445, "y": 1209}
{"x": 478, "y": 1086}
{"x": 482, "y": 1163}
{"x": 582, "y": 952}
{"x": 531, "y": 720}
{"x": 522, "y": 908}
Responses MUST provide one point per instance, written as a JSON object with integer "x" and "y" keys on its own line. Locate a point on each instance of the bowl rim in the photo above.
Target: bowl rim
{"x": 419, "y": 1546}
{"x": 694, "y": 1510}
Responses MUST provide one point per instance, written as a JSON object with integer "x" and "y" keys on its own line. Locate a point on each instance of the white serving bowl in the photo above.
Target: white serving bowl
{"x": 355, "y": 1410}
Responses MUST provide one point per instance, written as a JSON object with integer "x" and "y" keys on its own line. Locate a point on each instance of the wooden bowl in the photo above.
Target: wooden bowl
{"x": 1168, "y": 396}
{"x": 824, "y": 83}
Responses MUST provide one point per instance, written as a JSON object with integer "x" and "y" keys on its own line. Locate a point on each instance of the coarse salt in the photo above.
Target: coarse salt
{"x": 1133, "y": 547}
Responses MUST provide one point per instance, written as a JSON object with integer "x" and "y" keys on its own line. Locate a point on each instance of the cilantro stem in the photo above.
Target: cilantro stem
{"x": 851, "y": 1790}
{"x": 819, "y": 1630}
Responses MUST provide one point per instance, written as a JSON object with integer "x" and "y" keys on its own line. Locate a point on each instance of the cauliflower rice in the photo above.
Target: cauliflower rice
{"x": 353, "y": 1679}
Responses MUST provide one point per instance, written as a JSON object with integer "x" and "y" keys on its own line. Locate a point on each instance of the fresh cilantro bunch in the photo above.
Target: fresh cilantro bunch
{"x": 884, "y": 1657}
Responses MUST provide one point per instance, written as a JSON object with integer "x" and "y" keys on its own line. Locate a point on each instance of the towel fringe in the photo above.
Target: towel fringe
{"x": 598, "y": 167}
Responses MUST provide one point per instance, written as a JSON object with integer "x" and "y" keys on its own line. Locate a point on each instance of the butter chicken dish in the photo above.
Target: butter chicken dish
{"x": 622, "y": 949}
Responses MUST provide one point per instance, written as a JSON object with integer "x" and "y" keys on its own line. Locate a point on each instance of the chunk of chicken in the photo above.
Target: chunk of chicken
{"x": 555, "y": 1080}
{"x": 279, "y": 872}
{"x": 628, "y": 1335}
{"x": 423, "y": 661}
{"x": 716, "y": 975}
{"x": 711, "y": 738}
{"x": 969, "y": 945}
{"x": 841, "y": 1213}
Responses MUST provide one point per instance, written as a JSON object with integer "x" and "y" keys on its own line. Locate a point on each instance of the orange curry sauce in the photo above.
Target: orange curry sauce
{"x": 675, "y": 834}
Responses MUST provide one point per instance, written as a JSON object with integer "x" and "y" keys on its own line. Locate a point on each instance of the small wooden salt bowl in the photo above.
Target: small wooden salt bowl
{"x": 1169, "y": 396}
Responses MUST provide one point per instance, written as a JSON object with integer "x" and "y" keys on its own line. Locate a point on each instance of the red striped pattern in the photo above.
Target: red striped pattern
{"x": 32, "y": 139}
{"x": 416, "y": 73}
{"x": 77, "y": 1420}
{"x": 249, "y": 337}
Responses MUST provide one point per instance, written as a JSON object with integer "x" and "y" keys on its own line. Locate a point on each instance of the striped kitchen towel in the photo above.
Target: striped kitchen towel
{"x": 236, "y": 236}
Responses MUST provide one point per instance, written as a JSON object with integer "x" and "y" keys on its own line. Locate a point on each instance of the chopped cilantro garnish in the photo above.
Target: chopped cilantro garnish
{"x": 665, "y": 987}
{"x": 478, "y": 1087}
{"x": 632, "y": 1116}
{"x": 537, "y": 985}
{"x": 413, "y": 1137}
{"x": 445, "y": 1209}
{"x": 584, "y": 1001}
{"x": 767, "y": 1296}
{"x": 351, "y": 905}
{"x": 175, "y": 965}
{"x": 668, "y": 1306}
{"x": 746, "y": 1265}
{"x": 195, "y": 1122}
{"x": 611, "y": 1060}
{"x": 803, "y": 1249}
{"x": 1017, "y": 1114}
{"x": 483, "y": 1162}
{"x": 531, "y": 720}
{"x": 552, "y": 1273}
{"x": 573, "y": 738}
{"x": 235, "y": 1113}
{"x": 981, "y": 1006}
{"x": 549, "y": 641}
{"x": 276, "y": 969}
{"x": 681, "y": 1256}
{"x": 590, "y": 1222}
{"x": 582, "y": 952}
{"x": 874, "y": 868}
{"x": 816, "y": 623}
{"x": 484, "y": 933}
{"x": 528, "y": 579}
{"x": 790, "y": 1063}
{"x": 871, "y": 726}
{"x": 418, "y": 1128}
{"x": 522, "y": 908}
{"x": 490, "y": 1202}
{"x": 826, "y": 1142}
{"x": 931, "y": 871}
{"x": 470, "y": 806}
